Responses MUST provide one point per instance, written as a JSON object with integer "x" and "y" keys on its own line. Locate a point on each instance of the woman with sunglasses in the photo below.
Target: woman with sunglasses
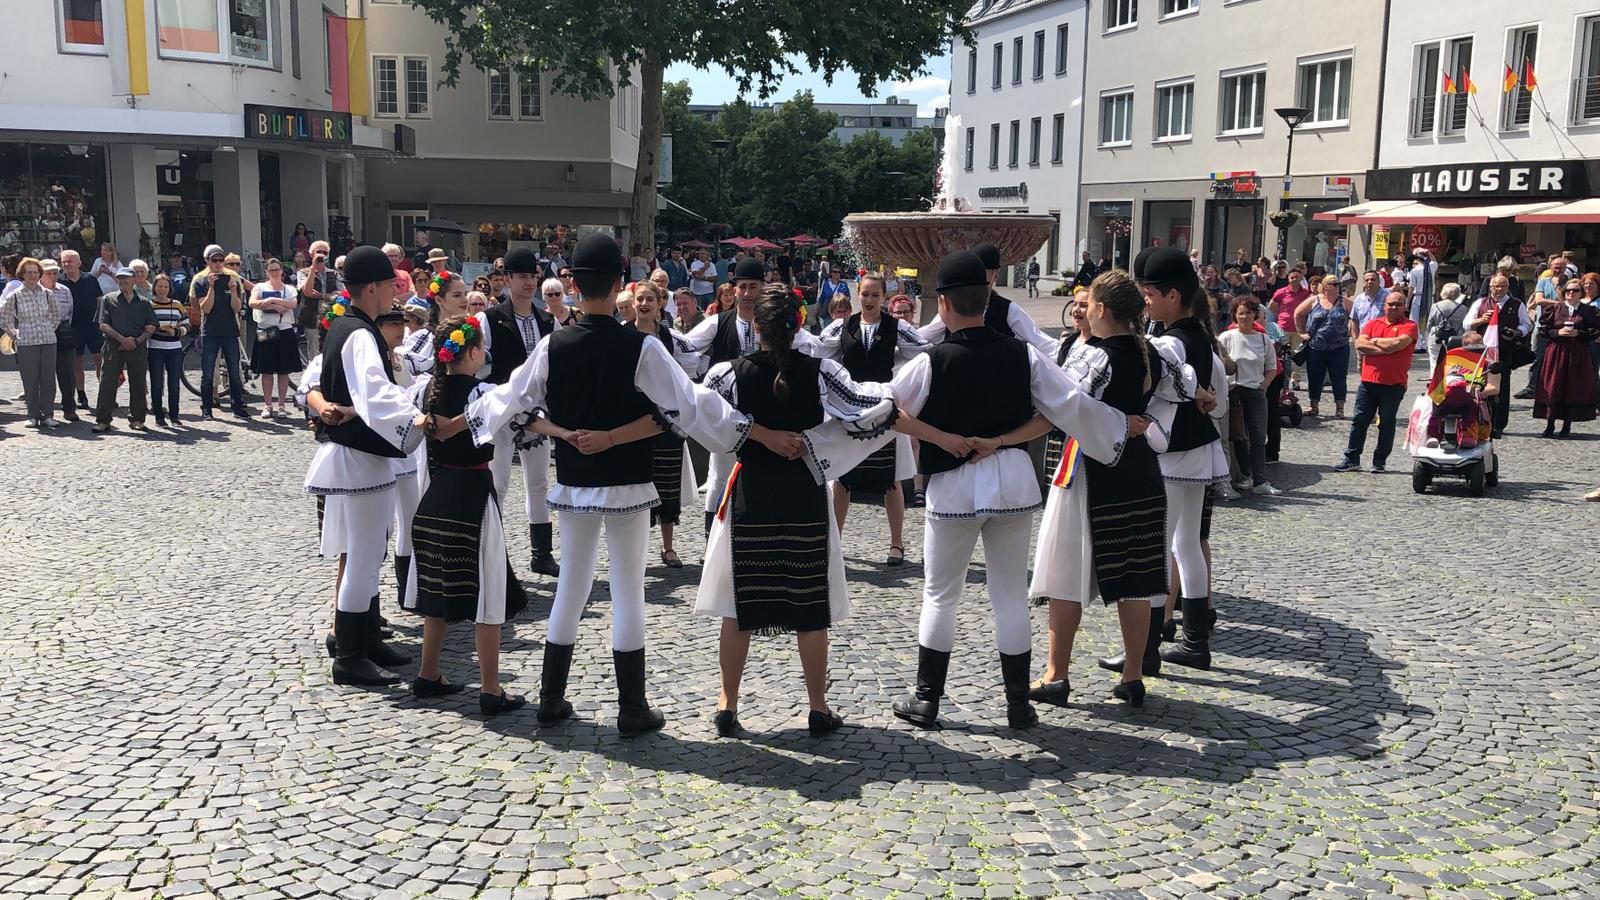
{"x": 1565, "y": 388}
{"x": 555, "y": 301}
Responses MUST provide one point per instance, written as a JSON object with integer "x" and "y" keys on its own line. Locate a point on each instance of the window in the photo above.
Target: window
{"x": 1058, "y": 132}
{"x": 1325, "y": 90}
{"x": 1586, "y": 87}
{"x": 1178, "y": 7}
{"x": 1016, "y": 139}
{"x": 999, "y": 63}
{"x": 1425, "y": 86}
{"x": 530, "y": 94}
{"x": 1016, "y": 60}
{"x": 1175, "y": 111}
{"x": 499, "y": 94}
{"x": 403, "y": 224}
{"x": 972, "y": 71}
{"x": 236, "y": 31}
{"x": 972, "y": 136}
{"x": 1121, "y": 14}
{"x": 385, "y": 86}
{"x": 417, "y": 86}
{"x": 1061, "y": 49}
{"x": 1243, "y": 102}
{"x": 994, "y": 146}
{"x": 1516, "y": 105}
{"x": 1458, "y": 62}
{"x": 1116, "y": 119}
{"x": 1035, "y": 133}
{"x": 82, "y": 28}
{"x": 1038, "y": 55}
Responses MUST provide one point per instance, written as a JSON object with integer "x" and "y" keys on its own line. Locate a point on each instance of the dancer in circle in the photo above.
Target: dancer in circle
{"x": 669, "y": 465}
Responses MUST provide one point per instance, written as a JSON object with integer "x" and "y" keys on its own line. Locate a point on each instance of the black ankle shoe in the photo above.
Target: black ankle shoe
{"x": 727, "y": 722}
{"x": 921, "y": 713}
{"x": 824, "y": 723}
{"x": 423, "y": 688}
{"x": 495, "y": 704}
{"x": 1052, "y": 692}
{"x": 1130, "y": 691}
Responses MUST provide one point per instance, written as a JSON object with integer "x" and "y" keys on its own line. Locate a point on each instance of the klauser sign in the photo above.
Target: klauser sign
{"x": 1514, "y": 180}
{"x": 295, "y": 125}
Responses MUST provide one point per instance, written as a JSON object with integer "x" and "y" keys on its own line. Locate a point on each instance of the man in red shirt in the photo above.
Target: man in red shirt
{"x": 1385, "y": 347}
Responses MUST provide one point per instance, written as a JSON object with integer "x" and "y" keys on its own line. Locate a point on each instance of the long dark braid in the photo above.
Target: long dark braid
{"x": 1120, "y": 295}
{"x": 441, "y": 333}
{"x": 778, "y": 318}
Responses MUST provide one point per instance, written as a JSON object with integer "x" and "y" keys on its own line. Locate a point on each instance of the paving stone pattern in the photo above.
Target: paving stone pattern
{"x": 1404, "y": 703}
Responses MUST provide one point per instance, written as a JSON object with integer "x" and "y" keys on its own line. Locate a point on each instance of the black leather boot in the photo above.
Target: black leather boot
{"x": 634, "y": 715}
{"x": 553, "y": 705}
{"x": 1152, "y": 647}
{"x": 351, "y": 665}
{"x": 1014, "y": 668}
{"x": 921, "y": 706}
{"x": 402, "y": 578}
{"x": 1195, "y": 650}
{"x": 541, "y": 538}
{"x": 377, "y": 650}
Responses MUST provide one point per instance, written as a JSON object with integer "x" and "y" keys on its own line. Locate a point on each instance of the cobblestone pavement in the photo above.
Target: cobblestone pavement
{"x": 1405, "y": 702}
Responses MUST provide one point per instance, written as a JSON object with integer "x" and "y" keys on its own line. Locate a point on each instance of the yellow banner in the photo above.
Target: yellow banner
{"x": 360, "y": 68}
{"x": 138, "y": 47}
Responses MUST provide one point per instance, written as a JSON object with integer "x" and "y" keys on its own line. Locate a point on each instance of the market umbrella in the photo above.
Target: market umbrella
{"x": 802, "y": 239}
{"x": 736, "y": 241}
{"x": 696, "y": 245}
{"x": 761, "y": 244}
{"x": 827, "y": 247}
{"x": 446, "y": 225}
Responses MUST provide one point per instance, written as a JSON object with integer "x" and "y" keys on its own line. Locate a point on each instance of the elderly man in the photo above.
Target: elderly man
{"x": 1385, "y": 347}
{"x": 318, "y": 285}
{"x": 219, "y": 295}
{"x": 141, "y": 279}
{"x": 85, "y": 290}
{"x": 1515, "y": 326}
{"x": 126, "y": 321}
{"x": 66, "y": 338}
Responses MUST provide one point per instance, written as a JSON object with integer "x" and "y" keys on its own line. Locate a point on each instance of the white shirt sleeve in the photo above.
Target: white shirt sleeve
{"x": 911, "y": 384}
{"x": 378, "y": 402}
{"x": 1177, "y": 381}
{"x": 933, "y": 332}
{"x": 690, "y": 409}
{"x": 1023, "y": 326}
{"x": 700, "y": 337}
{"x": 1101, "y": 430}
{"x": 909, "y": 343}
{"x": 821, "y": 346}
{"x": 865, "y": 408}
{"x": 416, "y": 354}
{"x": 522, "y": 393}
{"x": 310, "y": 380}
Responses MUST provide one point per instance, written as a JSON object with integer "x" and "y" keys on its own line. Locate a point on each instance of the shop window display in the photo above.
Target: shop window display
{"x": 1318, "y": 244}
{"x": 1169, "y": 223}
{"x": 52, "y": 197}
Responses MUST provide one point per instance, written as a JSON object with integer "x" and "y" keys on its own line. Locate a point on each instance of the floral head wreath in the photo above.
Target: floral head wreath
{"x": 341, "y": 305}
{"x": 457, "y": 341}
{"x": 798, "y": 300}
{"x": 440, "y": 283}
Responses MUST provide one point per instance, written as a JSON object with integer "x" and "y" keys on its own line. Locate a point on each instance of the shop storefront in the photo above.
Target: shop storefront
{"x": 1233, "y": 218}
{"x": 53, "y": 197}
{"x": 1110, "y": 232}
{"x": 1168, "y": 223}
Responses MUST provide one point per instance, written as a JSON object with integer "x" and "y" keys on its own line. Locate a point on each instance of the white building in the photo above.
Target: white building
{"x": 1017, "y": 101}
{"x": 1182, "y": 146}
{"x": 1491, "y": 125}
{"x": 894, "y": 118}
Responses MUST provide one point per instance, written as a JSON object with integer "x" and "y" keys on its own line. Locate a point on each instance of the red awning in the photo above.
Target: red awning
{"x": 802, "y": 239}
{"x": 1437, "y": 213}
{"x": 1576, "y": 212}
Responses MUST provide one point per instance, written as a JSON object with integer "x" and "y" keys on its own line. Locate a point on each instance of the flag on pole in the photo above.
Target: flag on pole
{"x": 1528, "y": 81}
{"x": 1510, "y": 80}
{"x": 1491, "y": 335}
{"x": 1466, "y": 82}
{"x": 1449, "y": 86}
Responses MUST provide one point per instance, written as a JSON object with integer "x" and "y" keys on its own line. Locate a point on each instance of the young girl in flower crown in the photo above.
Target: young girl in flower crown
{"x": 460, "y": 569}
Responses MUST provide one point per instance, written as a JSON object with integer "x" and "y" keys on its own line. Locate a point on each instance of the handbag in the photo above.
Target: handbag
{"x": 1301, "y": 353}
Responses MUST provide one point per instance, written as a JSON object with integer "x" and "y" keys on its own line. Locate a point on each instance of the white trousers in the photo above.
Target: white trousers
{"x": 717, "y": 472}
{"x": 535, "y": 475}
{"x": 947, "y": 546}
{"x": 357, "y": 527}
{"x": 627, "y": 536}
{"x": 407, "y": 494}
{"x": 1185, "y": 501}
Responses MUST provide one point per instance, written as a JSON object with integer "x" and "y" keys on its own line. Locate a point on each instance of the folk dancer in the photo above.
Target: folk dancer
{"x": 670, "y": 469}
{"x": 999, "y": 314}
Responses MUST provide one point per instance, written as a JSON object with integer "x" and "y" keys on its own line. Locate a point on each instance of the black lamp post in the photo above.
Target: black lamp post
{"x": 1291, "y": 116}
{"x": 720, "y": 147}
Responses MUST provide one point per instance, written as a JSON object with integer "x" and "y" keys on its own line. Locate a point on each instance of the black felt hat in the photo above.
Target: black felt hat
{"x": 367, "y": 264}
{"x": 990, "y": 254}
{"x": 1169, "y": 266}
{"x": 750, "y": 269}
{"x": 522, "y": 260}
{"x": 962, "y": 268}
{"x": 596, "y": 253}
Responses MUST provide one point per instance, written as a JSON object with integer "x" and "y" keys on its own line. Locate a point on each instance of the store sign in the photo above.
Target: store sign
{"x": 300, "y": 126}
{"x": 1008, "y": 193}
{"x": 1380, "y": 242}
{"x": 1338, "y": 186}
{"x": 169, "y": 179}
{"x": 1427, "y": 237}
{"x": 1235, "y": 184}
{"x": 1507, "y": 180}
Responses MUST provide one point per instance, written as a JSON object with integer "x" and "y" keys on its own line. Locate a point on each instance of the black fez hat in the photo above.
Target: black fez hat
{"x": 522, "y": 259}
{"x": 596, "y": 253}
{"x": 367, "y": 264}
{"x": 962, "y": 268}
{"x": 749, "y": 269}
{"x": 395, "y": 313}
{"x": 989, "y": 254}
{"x": 1169, "y": 266}
{"x": 1139, "y": 263}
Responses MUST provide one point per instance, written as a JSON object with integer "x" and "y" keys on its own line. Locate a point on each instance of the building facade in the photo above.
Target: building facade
{"x": 1490, "y": 123}
{"x": 1016, "y": 116}
{"x": 894, "y": 118}
{"x": 1181, "y": 144}
{"x": 499, "y": 153}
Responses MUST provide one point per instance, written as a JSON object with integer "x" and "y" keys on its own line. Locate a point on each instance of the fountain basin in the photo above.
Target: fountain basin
{"x": 920, "y": 239}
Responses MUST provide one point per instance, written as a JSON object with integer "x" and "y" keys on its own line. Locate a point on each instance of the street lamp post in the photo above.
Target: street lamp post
{"x": 720, "y": 147}
{"x": 1292, "y": 116}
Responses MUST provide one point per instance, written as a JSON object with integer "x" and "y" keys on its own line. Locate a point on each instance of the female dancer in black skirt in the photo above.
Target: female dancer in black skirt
{"x": 773, "y": 562}
{"x": 460, "y": 567}
{"x": 669, "y": 463}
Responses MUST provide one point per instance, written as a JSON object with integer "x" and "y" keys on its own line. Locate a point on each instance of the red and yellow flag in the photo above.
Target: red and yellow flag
{"x": 1528, "y": 81}
{"x": 1462, "y": 363}
{"x": 1067, "y": 469}
{"x": 1449, "y": 86}
{"x": 1467, "y": 83}
{"x": 727, "y": 492}
{"x": 1510, "y": 80}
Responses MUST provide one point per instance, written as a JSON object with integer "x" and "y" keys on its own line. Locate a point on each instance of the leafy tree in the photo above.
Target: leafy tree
{"x": 589, "y": 47}
{"x": 787, "y": 170}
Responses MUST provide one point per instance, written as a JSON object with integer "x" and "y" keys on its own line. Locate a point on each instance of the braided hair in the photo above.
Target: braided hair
{"x": 441, "y": 334}
{"x": 778, "y": 318}
{"x": 1120, "y": 295}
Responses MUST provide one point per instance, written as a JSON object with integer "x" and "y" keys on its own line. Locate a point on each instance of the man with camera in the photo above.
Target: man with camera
{"x": 219, "y": 294}
{"x": 318, "y": 285}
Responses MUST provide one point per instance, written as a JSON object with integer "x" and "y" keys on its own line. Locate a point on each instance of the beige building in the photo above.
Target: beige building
{"x": 1181, "y": 144}
{"x": 500, "y": 152}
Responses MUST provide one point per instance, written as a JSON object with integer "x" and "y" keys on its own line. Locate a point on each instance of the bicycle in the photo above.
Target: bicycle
{"x": 192, "y": 363}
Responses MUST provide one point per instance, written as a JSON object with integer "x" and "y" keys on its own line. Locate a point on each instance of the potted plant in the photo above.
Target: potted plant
{"x": 1284, "y": 218}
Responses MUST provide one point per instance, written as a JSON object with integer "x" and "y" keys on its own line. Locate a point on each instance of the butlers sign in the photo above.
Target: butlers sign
{"x": 1554, "y": 179}
{"x": 294, "y": 125}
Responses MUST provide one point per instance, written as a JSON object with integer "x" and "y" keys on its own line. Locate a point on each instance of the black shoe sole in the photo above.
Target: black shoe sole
{"x": 920, "y": 721}
{"x": 1051, "y": 693}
